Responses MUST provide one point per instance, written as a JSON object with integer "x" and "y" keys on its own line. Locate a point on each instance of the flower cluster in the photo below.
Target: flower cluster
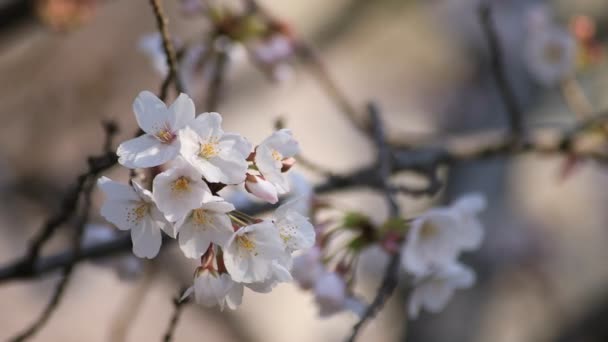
{"x": 431, "y": 249}
{"x": 430, "y": 245}
{"x": 191, "y": 157}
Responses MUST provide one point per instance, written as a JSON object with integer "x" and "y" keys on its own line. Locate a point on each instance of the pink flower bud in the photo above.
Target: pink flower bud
{"x": 261, "y": 188}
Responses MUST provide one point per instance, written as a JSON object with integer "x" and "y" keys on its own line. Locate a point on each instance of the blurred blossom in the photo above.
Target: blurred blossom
{"x": 432, "y": 292}
{"x": 437, "y": 237}
{"x": 307, "y": 268}
{"x": 273, "y": 55}
{"x": 189, "y": 58}
{"x": 126, "y": 267}
{"x": 332, "y": 297}
{"x": 550, "y": 50}
{"x": 65, "y": 14}
{"x": 211, "y": 288}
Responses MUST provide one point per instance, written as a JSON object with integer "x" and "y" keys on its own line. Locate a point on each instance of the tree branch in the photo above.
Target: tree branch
{"x": 162, "y": 22}
{"x": 498, "y": 68}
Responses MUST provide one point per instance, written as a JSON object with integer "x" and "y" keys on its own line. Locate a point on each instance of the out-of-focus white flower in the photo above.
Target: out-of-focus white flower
{"x": 261, "y": 188}
{"x": 126, "y": 267}
{"x": 160, "y": 144}
{"x": 437, "y": 237}
{"x": 433, "y": 291}
{"x": 220, "y": 157}
{"x": 301, "y": 188}
{"x": 550, "y": 51}
{"x": 272, "y": 55}
{"x": 294, "y": 229}
{"x": 251, "y": 250}
{"x": 152, "y": 46}
{"x": 211, "y": 289}
{"x": 279, "y": 274}
{"x": 269, "y": 156}
{"x": 132, "y": 208}
{"x": 205, "y": 225}
{"x": 331, "y": 296}
{"x": 307, "y": 268}
{"x": 179, "y": 190}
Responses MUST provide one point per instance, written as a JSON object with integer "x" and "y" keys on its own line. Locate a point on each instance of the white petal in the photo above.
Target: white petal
{"x": 193, "y": 242}
{"x": 146, "y": 239}
{"x": 182, "y": 111}
{"x": 208, "y": 125}
{"x": 122, "y": 213}
{"x": 150, "y": 112}
{"x": 262, "y": 189}
{"x": 217, "y": 204}
{"x": 146, "y": 151}
{"x": 115, "y": 190}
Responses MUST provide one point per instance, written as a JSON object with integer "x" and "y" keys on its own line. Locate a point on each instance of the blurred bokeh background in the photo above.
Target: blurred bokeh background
{"x": 541, "y": 271}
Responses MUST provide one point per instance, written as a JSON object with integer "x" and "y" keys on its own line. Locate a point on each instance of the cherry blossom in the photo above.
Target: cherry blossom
{"x": 249, "y": 253}
{"x": 437, "y": 237}
{"x": 160, "y": 142}
{"x": 270, "y": 154}
{"x": 294, "y": 229}
{"x": 206, "y": 224}
{"x": 433, "y": 291}
{"x": 220, "y": 157}
{"x": 212, "y": 288}
{"x": 332, "y": 297}
{"x": 179, "y": 190}
{"x": 307, "y": 268}
{"x": 132, "y": 208}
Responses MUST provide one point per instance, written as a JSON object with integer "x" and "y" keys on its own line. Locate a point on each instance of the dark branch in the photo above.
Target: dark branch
{"x": 178, "y": 307}
{"x": 162, "y": 22}
{"x": 498, "y": 69}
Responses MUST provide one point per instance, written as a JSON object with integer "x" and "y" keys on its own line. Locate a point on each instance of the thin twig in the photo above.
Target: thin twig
{"x": 67, "y": 271}
{"x": 178, "y": 307}
{"x": 162, "y": 22}
{"x": 498, "y": 69}
{"x": 384, "y": 171}
{"x": 216, "y": 85}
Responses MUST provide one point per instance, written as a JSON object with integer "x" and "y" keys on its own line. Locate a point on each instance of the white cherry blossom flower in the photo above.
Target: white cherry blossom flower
{"x": 211, "y": 288}
{"x": 307, "y": 268}
{"x": 279, "y": 274}
{"x": 433, "y": 291}
{"x": 220, "y": 157}
{"x": 160, "y": 143}
{"x": 261, "y": 188}
{"x": 294, "y": 229}
{"x": 179, "y": 190}
{"x": 132, "y": 208}
{"x": 438, "y": 236}
{"x": 269, "y": 156}
{"x": 332, "y": 297}
{"x": 301, "y": 188}
{"x": 206, "y": 224}
{"x": 249, "y": 254}
{"x": 550, "y": 51}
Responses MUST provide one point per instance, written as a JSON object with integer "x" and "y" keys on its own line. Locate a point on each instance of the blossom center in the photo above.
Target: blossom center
{"x": 165, "y": 136}
{"x": 246, "y": 243}
{"x": 200, "y": 217}
{"x": 209, "y": 150}
{"x": 276, "y": 155}
{"x": 138, "y": 213}
{"x": 181, "y": 184}
{"x": 428, "y": 230}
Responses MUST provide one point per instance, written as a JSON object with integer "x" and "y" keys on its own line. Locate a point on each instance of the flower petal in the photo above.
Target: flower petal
{"x": 146, "y": 239}
{"x": 181, "y": 111}
{"x": 146, "y": 151}
{"x": 150, "y": 112}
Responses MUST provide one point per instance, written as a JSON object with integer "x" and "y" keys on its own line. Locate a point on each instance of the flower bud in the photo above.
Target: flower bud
{"x": 261, "y": 188}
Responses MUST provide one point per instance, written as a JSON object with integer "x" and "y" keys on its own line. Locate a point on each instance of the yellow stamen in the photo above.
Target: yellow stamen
{"x": 181, "y": 184}
{"x": 138, "y": 213}
{"x": 165, "y": 136}
{"x": 245, "y": 242}
{"x": 276, "y": 155}
{"x": 209, "y": 150}
{"x": 199, "y": 217}
{"x": 428, "y": 230}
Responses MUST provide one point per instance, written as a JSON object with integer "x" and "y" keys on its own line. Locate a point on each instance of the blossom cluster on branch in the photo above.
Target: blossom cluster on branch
{"x": 199, "y": 159}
